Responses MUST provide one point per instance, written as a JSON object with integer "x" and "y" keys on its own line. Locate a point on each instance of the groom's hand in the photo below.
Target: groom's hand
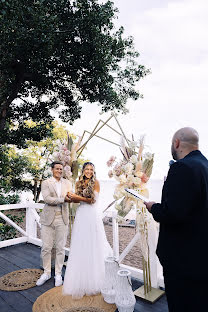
{"x": 73, "y": 197}
{"x": 67, "y": 199}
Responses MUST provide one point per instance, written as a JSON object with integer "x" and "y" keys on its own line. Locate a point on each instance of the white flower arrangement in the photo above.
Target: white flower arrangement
{"x": 133, "y": 171}
{"x": 133, "y": 159}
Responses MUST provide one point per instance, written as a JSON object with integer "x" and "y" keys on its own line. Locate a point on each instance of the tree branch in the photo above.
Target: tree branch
{"x": 5, "y": 104}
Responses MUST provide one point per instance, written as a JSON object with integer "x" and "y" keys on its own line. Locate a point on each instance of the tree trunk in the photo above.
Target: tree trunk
{"x": 3, "y": 114}
{"x": 35, "y": 189}
{"x": 38, "y": 192}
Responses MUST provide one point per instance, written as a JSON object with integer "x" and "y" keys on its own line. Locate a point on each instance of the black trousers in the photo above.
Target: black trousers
{"x": 186, "y": 294}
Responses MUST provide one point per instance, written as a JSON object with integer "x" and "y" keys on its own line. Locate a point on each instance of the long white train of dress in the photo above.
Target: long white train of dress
{"x": 89, "y": 247}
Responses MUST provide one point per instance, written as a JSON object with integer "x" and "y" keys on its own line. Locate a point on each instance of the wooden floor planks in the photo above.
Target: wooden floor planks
{"x": 23, "y": 256}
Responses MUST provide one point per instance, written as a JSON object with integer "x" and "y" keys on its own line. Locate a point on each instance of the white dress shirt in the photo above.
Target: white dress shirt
{"x": 58, "y": 186}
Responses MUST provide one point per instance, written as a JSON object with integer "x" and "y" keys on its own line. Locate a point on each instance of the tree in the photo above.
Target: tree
{"x": 60, "y": 53}
{"x": 40, "y": 155}
{"x": 13, "y": 168}
{"x": 24, "y": 169}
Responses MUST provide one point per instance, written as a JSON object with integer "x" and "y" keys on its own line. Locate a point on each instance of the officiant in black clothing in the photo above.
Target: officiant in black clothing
{"x": 183, "y": 217}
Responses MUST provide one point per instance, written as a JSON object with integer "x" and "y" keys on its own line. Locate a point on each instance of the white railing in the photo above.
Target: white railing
{"x": 30, "y": 236}
{"x": 32, "y": 221}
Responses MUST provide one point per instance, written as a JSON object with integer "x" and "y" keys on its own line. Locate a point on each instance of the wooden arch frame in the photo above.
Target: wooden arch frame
{"x": 97, "y": 128}
{"x": 146, "y": 292}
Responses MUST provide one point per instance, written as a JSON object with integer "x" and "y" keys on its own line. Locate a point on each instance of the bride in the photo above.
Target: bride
{"x": 89, "y": 246}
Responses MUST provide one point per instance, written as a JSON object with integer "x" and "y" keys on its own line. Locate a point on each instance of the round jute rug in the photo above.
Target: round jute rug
{"x": 53, "y": 301}
{"x": 85, "y": 309}
{"x": 19, "y": 280}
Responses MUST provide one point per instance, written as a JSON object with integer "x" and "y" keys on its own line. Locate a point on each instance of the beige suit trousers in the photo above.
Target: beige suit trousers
{"x": 56, "y": 231}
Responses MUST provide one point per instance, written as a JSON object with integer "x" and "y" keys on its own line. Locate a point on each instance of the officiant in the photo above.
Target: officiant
{"x": 183, "y": 217}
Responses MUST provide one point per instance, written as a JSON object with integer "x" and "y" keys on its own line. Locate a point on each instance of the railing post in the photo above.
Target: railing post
{"x": 31, "y": 224}
{"x": 115, "y": 235}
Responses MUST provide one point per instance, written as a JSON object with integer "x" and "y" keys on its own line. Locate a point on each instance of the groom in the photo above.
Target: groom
{"x": 54, "y": 222}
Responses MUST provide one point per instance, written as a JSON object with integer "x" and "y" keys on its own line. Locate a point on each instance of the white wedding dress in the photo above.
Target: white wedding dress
{"x": 89, "y": 247}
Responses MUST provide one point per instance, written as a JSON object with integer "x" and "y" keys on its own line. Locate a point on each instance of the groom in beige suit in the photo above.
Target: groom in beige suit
{"x": 54, "y": 222}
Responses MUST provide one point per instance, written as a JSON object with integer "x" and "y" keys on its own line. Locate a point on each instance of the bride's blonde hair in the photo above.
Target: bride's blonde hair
{"x": 81, "y": 188}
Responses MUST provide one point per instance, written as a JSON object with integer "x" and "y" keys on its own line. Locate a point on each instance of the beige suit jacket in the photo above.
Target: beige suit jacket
{"x": 51, "y": 199}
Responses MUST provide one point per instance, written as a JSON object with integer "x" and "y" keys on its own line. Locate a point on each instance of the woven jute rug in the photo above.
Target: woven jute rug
{"x": 54, "y": 301}
{"x": 19, "y": 280}
{"x": 85, "y": 309}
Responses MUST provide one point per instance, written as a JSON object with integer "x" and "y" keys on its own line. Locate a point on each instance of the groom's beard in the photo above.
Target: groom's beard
{"x": 174, "y": 153}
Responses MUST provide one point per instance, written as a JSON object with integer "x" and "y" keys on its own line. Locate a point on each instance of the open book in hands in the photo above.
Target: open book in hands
{"x": 137, "y": 195}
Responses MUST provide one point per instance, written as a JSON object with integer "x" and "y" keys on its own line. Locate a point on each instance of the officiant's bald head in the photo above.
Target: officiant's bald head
{"x": 184, "y": 141}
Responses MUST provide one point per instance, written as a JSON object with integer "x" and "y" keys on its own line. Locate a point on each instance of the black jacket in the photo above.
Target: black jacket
{"x": 183, "y": 215}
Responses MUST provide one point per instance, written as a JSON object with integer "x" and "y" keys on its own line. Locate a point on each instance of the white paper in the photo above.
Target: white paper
{"x": 137, "y": 195}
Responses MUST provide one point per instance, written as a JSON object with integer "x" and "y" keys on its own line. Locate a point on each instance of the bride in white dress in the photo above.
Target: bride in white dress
{"x": 89, "y": 246}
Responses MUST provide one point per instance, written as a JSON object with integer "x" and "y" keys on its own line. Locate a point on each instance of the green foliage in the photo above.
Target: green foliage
{"x": 6, "y": 199}
{"x": 57, "y": 54}
{"x": 19, "y": 133}
{"x": 39, "y": 154}
{"x": 7, "y": 231}
{"x": 24, "y": 169}
{"x": 13, "y": 168}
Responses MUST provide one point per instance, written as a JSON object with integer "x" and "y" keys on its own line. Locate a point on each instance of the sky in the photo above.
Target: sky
{"x": 172, "y": 39}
